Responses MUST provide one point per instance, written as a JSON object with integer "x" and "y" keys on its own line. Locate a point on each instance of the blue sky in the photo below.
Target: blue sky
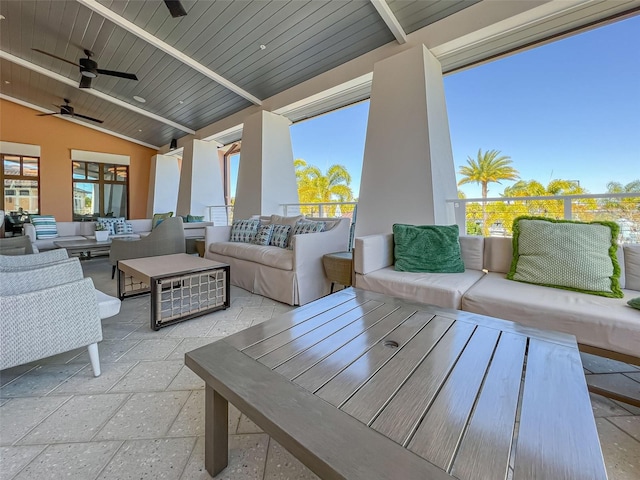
{"x": 569, "y": 109}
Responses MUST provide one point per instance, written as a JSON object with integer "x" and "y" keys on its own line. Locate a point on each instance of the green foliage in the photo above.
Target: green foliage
{"x": 317, "y": 187}
{"x": 488, "y": 167}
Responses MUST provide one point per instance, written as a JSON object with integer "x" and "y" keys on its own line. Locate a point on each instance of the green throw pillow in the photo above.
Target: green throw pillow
{"x": 158, "y": 218}
{"x": 576, "y": 256}
{"x": 195, "y": 218}
{"x": 635, "y": 303}
{"x": 427, "y": 248}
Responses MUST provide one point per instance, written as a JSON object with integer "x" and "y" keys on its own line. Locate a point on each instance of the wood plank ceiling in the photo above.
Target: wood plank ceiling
{"x": 302, "y": 39}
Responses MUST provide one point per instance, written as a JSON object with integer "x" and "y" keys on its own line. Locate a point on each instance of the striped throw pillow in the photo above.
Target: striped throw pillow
{"x": 124, "y": 228}
{"x": 45, "y": 226}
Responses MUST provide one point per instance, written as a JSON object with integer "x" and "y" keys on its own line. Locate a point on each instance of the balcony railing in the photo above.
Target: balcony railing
{"x": 494, "y": 216}
{"x": 223, "y": 214}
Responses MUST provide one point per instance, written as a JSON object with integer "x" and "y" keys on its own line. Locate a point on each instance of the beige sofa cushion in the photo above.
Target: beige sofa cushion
{"x": 441, "y": 289}
{"x": 270, "y": 256}
{"x": 598, "y": 321}
{"x": 631, "y": 265}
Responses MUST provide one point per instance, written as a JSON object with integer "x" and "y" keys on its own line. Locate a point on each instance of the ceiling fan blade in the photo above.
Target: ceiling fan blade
{"x": 85, "y": 82}
{"x": 175, "y": 8}
{"x": 45, "y": 114}
{"x": 129, "y": 76}
{"x": 55, "y": 56}
{"x": 88, "y": 118}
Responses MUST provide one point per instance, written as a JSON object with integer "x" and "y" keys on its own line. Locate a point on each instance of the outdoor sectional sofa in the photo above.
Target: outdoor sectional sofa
{"x": 295, "y": 276}
{"x": 605, "y": 326}
{"x": 83, "y": 230}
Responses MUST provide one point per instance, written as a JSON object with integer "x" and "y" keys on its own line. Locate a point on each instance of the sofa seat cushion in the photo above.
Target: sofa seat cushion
{"x": 47, "y": 243}
{"x": 597, "y": 321}
{"x": 441, "y": 289}
{"x": 125, "y": 235}
{"x": 265, "y": 255}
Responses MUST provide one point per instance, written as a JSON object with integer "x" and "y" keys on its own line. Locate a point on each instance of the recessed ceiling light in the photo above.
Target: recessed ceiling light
{"x": 180, "y": 102}
{"x": 263, "y": 47}
{"x": 7, "y": 82}
{"x": 2, "y": 17}
{"x": 139, "y": 129}
{"x": 139, "y": 99}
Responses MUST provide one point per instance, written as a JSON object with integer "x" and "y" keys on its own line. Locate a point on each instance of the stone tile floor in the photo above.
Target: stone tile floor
{"x": 143, "y": 417}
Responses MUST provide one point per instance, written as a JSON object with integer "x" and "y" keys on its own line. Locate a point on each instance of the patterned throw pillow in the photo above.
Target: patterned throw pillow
{"x": 280, "y": 236}
{"x": 195, "y": 218}
{"x": 158, "y": 218}
{"x": 110, "y": 223}
{"x": 263, "y": 236}
{"x": 306, "y": 226}
{"x": 45, "y": 226}
{"x": 244, "y": 230}
{"x": 565, "y": 254}
{"x": 124, "y": 228}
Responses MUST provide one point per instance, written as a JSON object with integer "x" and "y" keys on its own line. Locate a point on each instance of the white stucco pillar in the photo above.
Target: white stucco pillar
{"x": 408, "y": 170}
{"x": 164, "y": 181}
{"x": 266, "y": 175}
{"x": 200, "y": 179}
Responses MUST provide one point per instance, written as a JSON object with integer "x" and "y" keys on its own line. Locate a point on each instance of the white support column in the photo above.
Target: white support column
{"x": 266, "y": 176}
{"x": 164, "y": 181}
{"x": 200, "y": 179}
{"x": 408, "y": 169}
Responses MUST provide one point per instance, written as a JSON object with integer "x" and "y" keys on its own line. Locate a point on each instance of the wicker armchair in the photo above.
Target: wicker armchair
{"x": 166, "y": 239}
{"x": 26, "y": 262}
{"x": 50, "y": 310}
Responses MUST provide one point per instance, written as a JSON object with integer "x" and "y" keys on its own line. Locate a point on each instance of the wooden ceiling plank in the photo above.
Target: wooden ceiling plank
{"x": 141, "y": 33}
{"x": 92, "y": 91}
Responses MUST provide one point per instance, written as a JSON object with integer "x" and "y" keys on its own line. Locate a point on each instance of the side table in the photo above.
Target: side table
{"x": 338, "y": 267}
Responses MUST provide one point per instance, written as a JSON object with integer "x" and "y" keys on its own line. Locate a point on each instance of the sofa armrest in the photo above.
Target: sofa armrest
{"x": 373, "y": 252}
{"x": 30, "y": 332}
{"x": 312, "y": 246}
{"x": 29, "y": 231}
{"x": 216, "y": 234}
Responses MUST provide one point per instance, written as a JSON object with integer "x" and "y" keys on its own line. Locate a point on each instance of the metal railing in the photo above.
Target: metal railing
{"x": 494, "y": 216}
{"x": 326, "y": 209}
{"x": 220, "y": 214}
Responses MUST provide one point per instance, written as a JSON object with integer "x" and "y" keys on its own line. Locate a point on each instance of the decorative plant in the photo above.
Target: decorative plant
{"x": 100, "y": 227}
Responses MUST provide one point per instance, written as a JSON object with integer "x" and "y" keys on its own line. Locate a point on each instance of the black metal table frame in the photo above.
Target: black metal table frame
{"x": 156, "y": 284}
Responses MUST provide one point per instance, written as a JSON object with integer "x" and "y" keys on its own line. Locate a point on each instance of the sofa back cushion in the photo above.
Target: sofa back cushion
{"x": 472, "y": 251}
{"x": 632, "y": 267}
{"x": 498, "y": 254}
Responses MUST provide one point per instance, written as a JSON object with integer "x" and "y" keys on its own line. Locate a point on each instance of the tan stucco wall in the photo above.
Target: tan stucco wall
{"x": 57, "y": 138}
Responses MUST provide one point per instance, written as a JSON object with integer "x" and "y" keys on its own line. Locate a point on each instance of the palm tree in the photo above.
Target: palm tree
{"x": 316, "y": 187}
{"x": 488, "y": 167}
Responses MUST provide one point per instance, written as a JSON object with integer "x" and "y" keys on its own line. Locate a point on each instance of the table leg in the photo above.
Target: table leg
{"x": 216, "y": 434}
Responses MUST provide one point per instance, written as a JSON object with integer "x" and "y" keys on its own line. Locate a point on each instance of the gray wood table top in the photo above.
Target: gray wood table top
{"x": 359, "y": 384}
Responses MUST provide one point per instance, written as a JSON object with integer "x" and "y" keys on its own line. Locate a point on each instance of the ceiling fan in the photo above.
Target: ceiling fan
{"x": 89, "y": 68}
{"x": 67, "y": 109}
{"x": 175, "y": 8}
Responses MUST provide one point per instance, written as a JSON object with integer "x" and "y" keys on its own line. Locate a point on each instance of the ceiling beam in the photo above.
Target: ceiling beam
{"x": 166, "y": 48}
{"x": 390, "y": 19}
{"x": 92, "y": 91}
{"x": 79, "y": 122}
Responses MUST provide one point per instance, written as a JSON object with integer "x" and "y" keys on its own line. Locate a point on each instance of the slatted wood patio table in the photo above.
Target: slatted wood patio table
{"x": 359, "y": 385}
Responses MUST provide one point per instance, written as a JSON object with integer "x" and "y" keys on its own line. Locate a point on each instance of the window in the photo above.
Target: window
{"x": 100, "y": 190}
{"x": 231, "y": 165}
{"x": 20, "y": 182}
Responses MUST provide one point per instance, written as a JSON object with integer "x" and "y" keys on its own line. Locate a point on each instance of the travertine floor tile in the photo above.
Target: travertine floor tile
{"x": 14, "y": 459}
{"x": 20, "y": 415}
{"x": 77, "y": 420}
{"x": 605, "y": 407}
{"x": 186, "y": 380}
{"x": 72, "y": 461}
{"x": 159, "y": 459}
{"x": 144, "y": 415}
{"x": 118, "y": 331}
{"x": 247, "y": 426}
{"x": 227, "y": 327}
{"x": 247, "y": 454}
{"x": 9, "y": 374}
{"x": 631, "y": 425}
{"x": 188, "y": 344}
{"x": 40, "y": 381}
{"x": 190, "y": 420}
{"x": 156, "y": 349}
{"x": 112, "y": 350}
{"x": 281, "y": 465}
{"x": 196, "y": 327}
{"x": 85, "y": 383}
{"x": 149, "y": 377}
{"x": 620, "y": 451}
